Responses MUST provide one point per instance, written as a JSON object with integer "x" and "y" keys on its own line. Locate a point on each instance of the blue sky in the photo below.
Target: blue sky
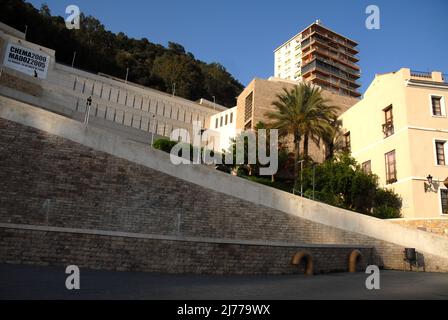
{"x": 242, "y": 35}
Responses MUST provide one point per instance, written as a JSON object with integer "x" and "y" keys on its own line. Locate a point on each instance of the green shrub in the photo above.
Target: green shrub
{"x": 341, "y": 182}
{"x": 164, "y": 145}
{"x": 385, "y": 212}
{"x": 388, "y": 198}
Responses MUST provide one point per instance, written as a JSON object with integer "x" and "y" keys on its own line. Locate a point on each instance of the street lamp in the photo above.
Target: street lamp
{"x": 201, "y": 133}
{"x": 301, "y": 178}
{"x": 429, "y": 184}
{"x": 88, "y": 106}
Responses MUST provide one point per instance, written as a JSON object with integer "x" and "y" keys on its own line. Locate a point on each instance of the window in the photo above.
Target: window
{"x": 248, "y": 107}
{"x": 231, "y": 118}
{"x": 222, "y": 121}
{"x": 444, "y": 200}
{"x": 388, "y": 126}
{"x": 367, "y": 167}
{"x": 227, "y": 119}
{"x": 436, "y": 106}
{"x": 440, "y": 153}
{"x": 391, "y": 168}
{"x": 217, "y": 123}
{"x": 348, "y": 141}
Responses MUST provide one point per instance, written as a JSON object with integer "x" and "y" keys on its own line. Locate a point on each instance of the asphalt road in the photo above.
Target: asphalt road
{"x": 30, "y": 282}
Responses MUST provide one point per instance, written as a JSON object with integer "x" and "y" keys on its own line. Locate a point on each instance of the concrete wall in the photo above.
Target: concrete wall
{"x": 59, "y": 173}
{"x": 130, "y": 105}
{"x": 20, "y": 82}
{"x": 157, "y": 110}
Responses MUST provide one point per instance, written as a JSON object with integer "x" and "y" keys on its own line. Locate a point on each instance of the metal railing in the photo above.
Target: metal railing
{"x": 318, "y": 64}
{"x": 388, "y": 129}
{"x": 421, "y": 74}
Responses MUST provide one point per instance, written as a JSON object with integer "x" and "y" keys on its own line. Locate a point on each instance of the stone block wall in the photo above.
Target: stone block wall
{"x": 153, "y": 255}
{"x": 437, "y": 226}
{"x": 49, "y": 181}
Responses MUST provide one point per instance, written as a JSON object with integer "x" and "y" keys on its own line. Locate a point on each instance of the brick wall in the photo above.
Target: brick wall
{"x": 437, "y": 226}
{"x": 49, "y": 181}
{"x": 151, "y": 255}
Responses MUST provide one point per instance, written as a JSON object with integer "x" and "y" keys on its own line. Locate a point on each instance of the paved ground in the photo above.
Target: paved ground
{"x": 25, "y": 282}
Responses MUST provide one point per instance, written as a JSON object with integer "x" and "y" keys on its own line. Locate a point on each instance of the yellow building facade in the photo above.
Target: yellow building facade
{"x": 399, "y": 131}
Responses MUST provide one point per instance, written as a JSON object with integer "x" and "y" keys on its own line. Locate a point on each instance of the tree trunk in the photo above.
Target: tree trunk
{"x": 330, "y": 152}
{"x": 297, "y": 140}
{"x": 306, "y": 142}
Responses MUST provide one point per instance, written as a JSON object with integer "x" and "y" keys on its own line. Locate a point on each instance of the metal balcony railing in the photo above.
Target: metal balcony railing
{"x": 318, "y": 64}
{"x": 421, "y": 74}
{"x": 388, "y": 129}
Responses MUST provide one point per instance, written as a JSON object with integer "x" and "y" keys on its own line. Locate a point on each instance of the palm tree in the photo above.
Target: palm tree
{"x": 304, "y": 114}
{"x": 333, "y": 139}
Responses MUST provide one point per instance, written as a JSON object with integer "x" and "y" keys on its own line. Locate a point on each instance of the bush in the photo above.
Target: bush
{"x": 164, "y": 145}
{"x": 167, "y": 146}
{"x": 388, "y": 198}
{"x": 269, "y": 183}
{"x": 385, "y": 212}
{"x": 387, "y": 204}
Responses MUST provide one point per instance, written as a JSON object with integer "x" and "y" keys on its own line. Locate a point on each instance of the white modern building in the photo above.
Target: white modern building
{"x": 224, "y": 125}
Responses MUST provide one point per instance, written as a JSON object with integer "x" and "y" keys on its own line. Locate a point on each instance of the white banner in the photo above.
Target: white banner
{"x": 26, "y": 60}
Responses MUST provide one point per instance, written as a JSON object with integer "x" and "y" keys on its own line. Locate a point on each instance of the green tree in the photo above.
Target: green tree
{"x": 181, "y": 71}
{"x": 99, "y": 50}
{"x": 303, "y": 113}
{"x": 341, "y": 182}
{"x": 332, "y": 139}
{"x": 45, "y": 10}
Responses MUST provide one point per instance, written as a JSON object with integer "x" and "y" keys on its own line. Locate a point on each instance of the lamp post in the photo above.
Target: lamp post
{"x": 87, "y": 114}
{"x": 301, "y": 178}
{"x": 429, "y": 185}
{"x": 201, "y": 133}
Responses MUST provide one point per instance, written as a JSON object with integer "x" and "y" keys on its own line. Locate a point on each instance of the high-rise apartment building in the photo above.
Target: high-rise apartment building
{"x": 320, "y": 56}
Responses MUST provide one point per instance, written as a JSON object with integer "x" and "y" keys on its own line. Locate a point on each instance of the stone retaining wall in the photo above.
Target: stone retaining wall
{"x": 47, "y": 180}
{"x": 436, "y": 226}
{"x": 11, "y": 80}
{"x": 167, "y": 256}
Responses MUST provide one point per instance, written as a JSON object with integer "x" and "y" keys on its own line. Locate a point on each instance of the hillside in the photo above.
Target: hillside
{"x": 99, "y": 50}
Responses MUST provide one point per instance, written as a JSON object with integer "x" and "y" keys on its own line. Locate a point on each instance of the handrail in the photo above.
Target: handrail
{"x": 421, "y": 74}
